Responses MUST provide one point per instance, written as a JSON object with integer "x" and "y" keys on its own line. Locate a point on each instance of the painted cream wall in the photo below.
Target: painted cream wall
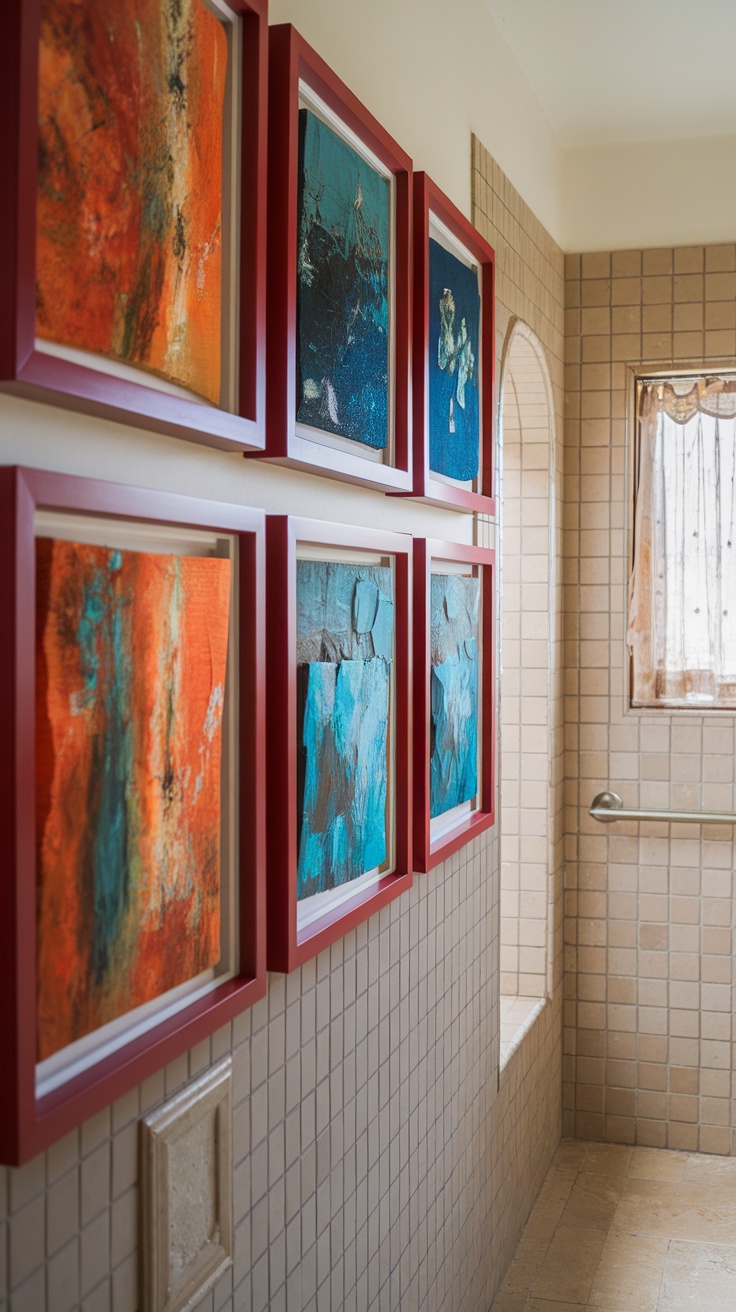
{"x": 48, "y": 438}
{"x": 649, "y": 194}
{"x": 433, "y": 75}
{"x": 433, "y": 72}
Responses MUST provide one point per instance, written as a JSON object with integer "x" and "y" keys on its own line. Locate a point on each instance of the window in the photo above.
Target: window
{"x": 682, "y": 607}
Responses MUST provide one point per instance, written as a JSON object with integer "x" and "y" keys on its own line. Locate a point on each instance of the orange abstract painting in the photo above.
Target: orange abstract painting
{"x": 130, "y": 184}
{"x": 131, "y": 661}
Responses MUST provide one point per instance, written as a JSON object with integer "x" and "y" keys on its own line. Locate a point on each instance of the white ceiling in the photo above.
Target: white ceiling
{"x": 626, "y": 70}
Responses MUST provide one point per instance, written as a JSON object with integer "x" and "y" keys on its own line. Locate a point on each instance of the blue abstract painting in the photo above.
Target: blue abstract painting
{"x": 345, "y": 635}
{"x": 342, "y": 288}
{"x": 454, "y": 327}
{"x": 453, "y": 768}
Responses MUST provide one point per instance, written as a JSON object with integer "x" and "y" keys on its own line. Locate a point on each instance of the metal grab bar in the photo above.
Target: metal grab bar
{"x": 609, "y": 806}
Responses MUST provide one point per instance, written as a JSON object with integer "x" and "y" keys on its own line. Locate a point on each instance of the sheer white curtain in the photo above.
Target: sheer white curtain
{"x": 682, "y": 614}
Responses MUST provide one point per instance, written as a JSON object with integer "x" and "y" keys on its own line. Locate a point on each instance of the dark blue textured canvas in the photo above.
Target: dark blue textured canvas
{"x": 342, "y": 288}
{"x": 453, "y": 770}
{"x": 454, "y": 403}
{"x": 345, "y": 626}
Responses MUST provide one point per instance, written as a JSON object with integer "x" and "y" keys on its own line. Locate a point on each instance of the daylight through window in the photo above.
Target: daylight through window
{"x": 682, "y": 610}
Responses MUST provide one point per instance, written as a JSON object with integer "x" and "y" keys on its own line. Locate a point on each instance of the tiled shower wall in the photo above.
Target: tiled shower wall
{"x": 378, "y": 1165}
{"x": 650, "y": 910}
{"x": 529, "y": 288}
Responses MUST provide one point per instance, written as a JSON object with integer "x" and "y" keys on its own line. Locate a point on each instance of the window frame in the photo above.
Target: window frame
{"x": 638, "y": 376}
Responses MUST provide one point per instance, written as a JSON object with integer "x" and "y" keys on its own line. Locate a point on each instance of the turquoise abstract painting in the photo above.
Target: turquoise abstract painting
{"x": 342, "y": 288}
{"x": 454, "y": 396}
{"x": 345, "y": 636}
{"x": 453, "y": 769}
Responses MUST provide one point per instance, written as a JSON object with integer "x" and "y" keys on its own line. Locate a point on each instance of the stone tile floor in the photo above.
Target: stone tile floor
{"x": 628, "y": 1230}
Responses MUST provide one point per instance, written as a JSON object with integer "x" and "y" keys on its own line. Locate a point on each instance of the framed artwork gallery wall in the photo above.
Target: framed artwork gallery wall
{"x": 132, "y": 232}
{"x": 227, "y": 746}
{"x": 132, "y": 913}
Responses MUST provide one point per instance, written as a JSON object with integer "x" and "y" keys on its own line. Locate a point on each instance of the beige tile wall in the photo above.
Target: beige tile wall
{"x": 650, "y": 911}
{"x": 530, "y": 287}
{"x": 378, "y": 1165}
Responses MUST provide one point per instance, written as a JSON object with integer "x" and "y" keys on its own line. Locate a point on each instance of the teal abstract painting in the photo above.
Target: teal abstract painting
{"x": 345, "y": 636}
{"x": 342, "y": 288}
{"x": 453, "y": 769}
{"x": 454, "y": 398}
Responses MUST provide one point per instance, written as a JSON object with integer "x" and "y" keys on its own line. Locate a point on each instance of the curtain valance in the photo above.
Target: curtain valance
{"x": 680, "y": 401}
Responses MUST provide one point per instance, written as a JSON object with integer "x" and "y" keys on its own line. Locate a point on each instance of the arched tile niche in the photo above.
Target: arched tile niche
{"x": 531, "y": 759}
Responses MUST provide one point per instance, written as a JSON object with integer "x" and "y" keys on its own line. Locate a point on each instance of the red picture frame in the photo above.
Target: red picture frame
{"x": 29, "y": 1123}
{"x": 430, "y": 201}
{"x": 289, "y": 947}
{"x": 429, "y": 851}
{"x": 40, "y": 376}
{"x": 292, "y": 61}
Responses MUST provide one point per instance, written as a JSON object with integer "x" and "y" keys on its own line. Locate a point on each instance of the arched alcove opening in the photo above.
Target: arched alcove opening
{"x": 528, "y": 748}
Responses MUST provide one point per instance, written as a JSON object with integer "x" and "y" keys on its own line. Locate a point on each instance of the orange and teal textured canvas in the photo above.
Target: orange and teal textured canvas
{"x": 130, "y": 180}
{"x": 131, "y": 654}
